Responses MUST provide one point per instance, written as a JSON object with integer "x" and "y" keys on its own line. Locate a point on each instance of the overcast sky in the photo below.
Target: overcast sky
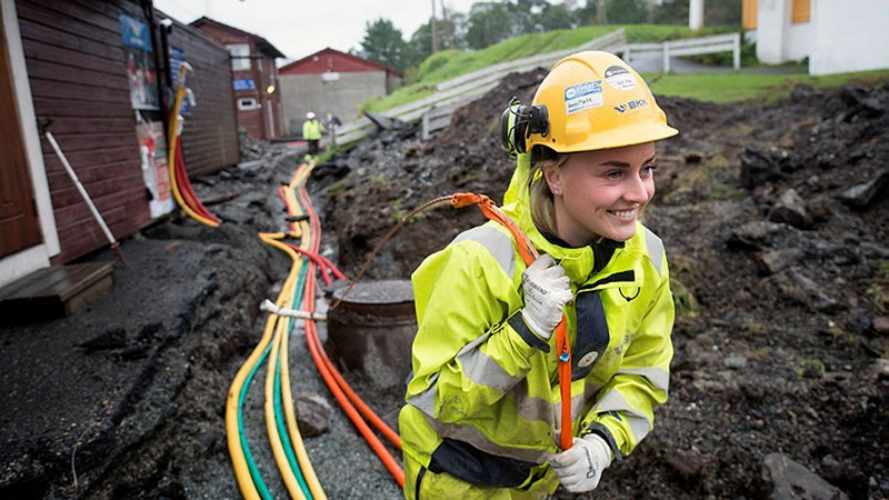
{"x": 300, "y": 28}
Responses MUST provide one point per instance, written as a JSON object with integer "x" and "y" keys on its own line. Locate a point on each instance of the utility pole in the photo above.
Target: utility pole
{"x": 434, "y": 34}
{"x": 447, "y": 41}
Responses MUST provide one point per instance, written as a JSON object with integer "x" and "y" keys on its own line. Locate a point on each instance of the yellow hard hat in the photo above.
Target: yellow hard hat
{"x": 596, "y": 101}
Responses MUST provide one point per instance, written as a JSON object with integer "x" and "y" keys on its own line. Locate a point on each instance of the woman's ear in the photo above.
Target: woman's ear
{"x": 553, "y": 175}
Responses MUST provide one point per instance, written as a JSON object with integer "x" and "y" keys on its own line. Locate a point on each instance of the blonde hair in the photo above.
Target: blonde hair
{"x": 541, "y": 198}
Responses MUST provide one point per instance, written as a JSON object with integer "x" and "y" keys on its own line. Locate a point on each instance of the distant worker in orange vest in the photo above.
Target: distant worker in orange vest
{"x": 312, "y": 130}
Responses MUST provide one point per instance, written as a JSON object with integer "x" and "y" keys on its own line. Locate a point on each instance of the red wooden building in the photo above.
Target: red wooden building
{"x": 91, "y": 74}
{"x": 254, "y": 78}
{"x": 330, "y": 82}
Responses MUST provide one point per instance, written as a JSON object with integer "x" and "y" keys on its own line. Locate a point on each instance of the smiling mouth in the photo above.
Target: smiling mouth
{"x": 624, "y": 214}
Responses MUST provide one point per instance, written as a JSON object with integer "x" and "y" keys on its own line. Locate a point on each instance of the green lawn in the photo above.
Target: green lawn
{"x": 449, "y": 64}
{"x": 732, "y": 87}
{"x": 727, "y": 87}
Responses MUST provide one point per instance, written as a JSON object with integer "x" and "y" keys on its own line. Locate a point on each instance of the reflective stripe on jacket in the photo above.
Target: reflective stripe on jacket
{"x": 479, "y": 379}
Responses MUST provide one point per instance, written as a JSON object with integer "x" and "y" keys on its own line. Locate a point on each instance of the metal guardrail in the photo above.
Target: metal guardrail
{"x": 472, "y": 85}
{"x": 440, "y": 105}
{"x": 730, "y": 42}
{"x": 617, "y": 38}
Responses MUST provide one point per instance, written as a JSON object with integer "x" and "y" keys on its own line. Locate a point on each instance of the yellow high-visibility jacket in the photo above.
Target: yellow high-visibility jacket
{"x": 312, "y": 130}
{"x": 484, "y": 387}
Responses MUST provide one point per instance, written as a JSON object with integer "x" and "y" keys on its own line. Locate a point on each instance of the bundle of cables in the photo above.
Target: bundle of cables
{"x": 179, "y": 183}
{"x": 299, "y": 289}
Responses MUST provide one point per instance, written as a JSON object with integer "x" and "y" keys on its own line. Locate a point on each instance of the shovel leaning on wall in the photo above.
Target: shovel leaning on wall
{"x": 86, "y": 197}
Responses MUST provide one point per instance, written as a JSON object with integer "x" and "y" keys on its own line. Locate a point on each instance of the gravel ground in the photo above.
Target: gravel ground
{"x": 126, "y": 399}
{"x": 344, "y": 462}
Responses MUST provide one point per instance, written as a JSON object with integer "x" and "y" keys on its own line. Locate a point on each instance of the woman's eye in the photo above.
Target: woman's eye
{"x": 614, "y": 174}
{"x": 649, "y": 169}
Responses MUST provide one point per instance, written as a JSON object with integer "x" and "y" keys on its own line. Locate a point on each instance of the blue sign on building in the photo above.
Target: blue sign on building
{"x": 135, "y": 33}
{"x": 244, "y": 84}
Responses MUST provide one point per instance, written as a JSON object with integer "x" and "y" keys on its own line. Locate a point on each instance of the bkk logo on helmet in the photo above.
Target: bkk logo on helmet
{"x": 638, "y": 103}
{"x": 583, "y": 96}
{"x": 620, "y": 78}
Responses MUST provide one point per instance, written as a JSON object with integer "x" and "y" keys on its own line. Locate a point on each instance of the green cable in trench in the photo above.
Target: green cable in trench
{"x": 245, "y": 446}
{"x": 285, "y": 439}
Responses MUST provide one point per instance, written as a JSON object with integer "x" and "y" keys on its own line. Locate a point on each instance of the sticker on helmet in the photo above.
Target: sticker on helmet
{"x": 620, "y": 78}
{"x": 583, "y": 96}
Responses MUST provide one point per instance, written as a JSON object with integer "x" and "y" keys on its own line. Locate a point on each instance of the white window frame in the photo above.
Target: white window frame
{"x": 247, "y": 104}
{"x": 240, "y": 56}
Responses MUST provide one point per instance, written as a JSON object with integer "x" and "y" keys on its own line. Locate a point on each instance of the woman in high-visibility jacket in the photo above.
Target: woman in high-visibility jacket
{"x": 483, "y": 404}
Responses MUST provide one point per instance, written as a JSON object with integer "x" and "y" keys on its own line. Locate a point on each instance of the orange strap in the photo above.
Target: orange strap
{"x": 529, "y": 254}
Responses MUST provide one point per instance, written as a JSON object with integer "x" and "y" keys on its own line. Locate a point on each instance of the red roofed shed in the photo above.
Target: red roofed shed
{"x": 332, "y": 82}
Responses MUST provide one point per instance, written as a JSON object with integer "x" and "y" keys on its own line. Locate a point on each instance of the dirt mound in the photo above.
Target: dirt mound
{"x": 775, "y": 221}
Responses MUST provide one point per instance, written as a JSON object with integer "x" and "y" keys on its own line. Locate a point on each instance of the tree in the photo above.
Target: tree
{"x": 673, "y": 12}
{"x": 586, "y": 15}
{"x": 525, "y": 15}
{"x": 626, "y": 11}
{"x": 556, "y": 17}
{"x": 420, "y": 45}
{"x": 448, "y": 30}
{"x": 722, "y": 13}
{"x": 383, "y": 43}
{"x": 489, "y": 23}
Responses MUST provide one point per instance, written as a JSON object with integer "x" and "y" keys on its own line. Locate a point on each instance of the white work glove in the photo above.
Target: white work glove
{"x": 580, "y": 467}
{"x": 546, "y": 291}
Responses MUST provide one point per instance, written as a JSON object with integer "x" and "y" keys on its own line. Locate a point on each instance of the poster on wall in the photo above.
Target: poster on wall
{"x": 145, "y": 100}
{"x": 177, "y": 59}
{"x": 140, "y": 63}
{"x": 155, "y": 169}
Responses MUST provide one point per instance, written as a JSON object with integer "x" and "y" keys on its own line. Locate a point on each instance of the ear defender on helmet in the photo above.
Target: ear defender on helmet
{"x": 518, "y": 122}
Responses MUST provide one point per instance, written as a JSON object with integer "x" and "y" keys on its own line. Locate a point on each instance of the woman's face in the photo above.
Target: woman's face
{"x": 602, "y": 193}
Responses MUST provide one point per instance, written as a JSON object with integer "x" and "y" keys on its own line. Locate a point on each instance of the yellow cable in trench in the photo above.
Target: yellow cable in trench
{"x": 233, "y": 433}
{"x": 239, "y": 461}
{"x": 287, "y": 474}
{"x": 275, "y": 333}
{"x": 298, "y": 445}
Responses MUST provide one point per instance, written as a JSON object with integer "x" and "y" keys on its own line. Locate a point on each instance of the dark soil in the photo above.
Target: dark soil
{"x": 775, "y": 222}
